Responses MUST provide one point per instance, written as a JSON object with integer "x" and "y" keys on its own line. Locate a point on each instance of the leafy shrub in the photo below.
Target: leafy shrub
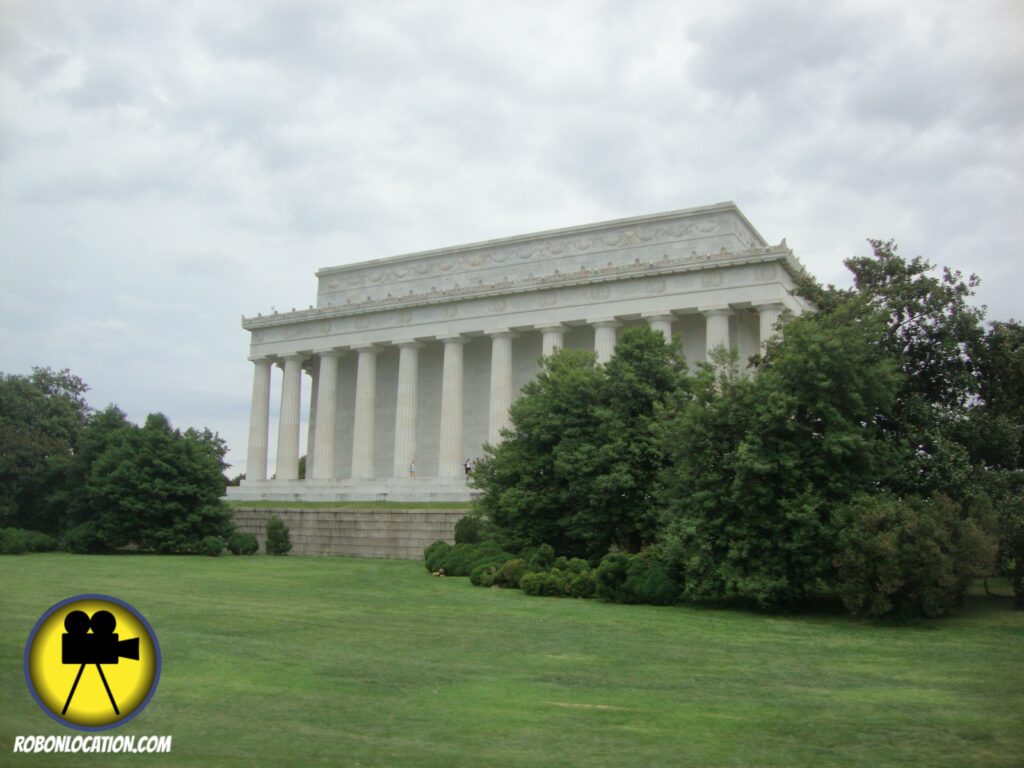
{"x": 642, "y": 578}
{"x": 462, "y": 559}
{"x": 910, "y": 557}
{"x": 278, "y": 541}
{"x": 36, "y": 541}
{"x": 540, "y": 559}
{"x": 12, "y": 541}
{"x": 512, "y": 571}
{"x": 243, "y": 544}
{"x": 212, "y": 546}
{"x": 583, "y": 585}
{"x": 577, "y": 565}
{"x": 484, "y": 575}
{"x": 84, "y": 539}
{"x": 549, "y": 584}
{"x": 435, "y": 555}
{"x": 610, "y": 576}
{"x": 469, "y": 530}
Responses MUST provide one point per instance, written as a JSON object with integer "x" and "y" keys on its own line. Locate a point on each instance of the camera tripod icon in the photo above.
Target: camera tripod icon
{"x": 101, "y": 647}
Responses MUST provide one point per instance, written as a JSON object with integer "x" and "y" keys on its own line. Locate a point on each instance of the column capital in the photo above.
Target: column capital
{"x": 504, "y": 333}
{"x": 329, "y": 353}
{"x": 653, "y": 317}
{"x": 281, "y": 361}
{"x": 262, "y": 359}
{"x": 769, "y": 305}
{"x": 715, "y": 310}
{"x": 368, "y": 348}
{"x": 551, "y": 328}
{"x": 607, "y": 322}
{"x": 409, "y": 343}
{"x": 457, "y": 338}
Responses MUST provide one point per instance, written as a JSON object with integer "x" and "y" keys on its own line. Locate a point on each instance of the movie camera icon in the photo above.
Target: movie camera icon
{"x": 103, "y": 646}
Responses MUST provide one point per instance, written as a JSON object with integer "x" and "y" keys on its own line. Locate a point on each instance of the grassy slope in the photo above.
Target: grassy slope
{"x": 331, "y": 661}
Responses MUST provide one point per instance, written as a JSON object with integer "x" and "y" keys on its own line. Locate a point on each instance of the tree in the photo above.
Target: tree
{"x": 995, "y": 436}
{"x": 911, "y": 557}
{"x": 643, "y": 378}
{"x": 63, "y": 500}
{"x": 41, "y": 417}
{"x": 159, "y": 489}
{"x": 760, "y": 464}
{"x": 528, "y": 479}
{"x": 929, "y": 331}
{"x": 578, "y": 467}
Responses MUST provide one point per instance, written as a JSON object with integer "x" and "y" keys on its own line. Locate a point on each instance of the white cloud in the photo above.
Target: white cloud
{"x": 166, "y": 168}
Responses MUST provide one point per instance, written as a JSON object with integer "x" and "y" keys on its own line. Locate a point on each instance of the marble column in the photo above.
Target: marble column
{"x": 362, "y": 430}
{"x": 552, "y": 339}
{"x": 604, "y": 339}
{"x": 326, "y": 384}
{"x": 288, "y": 421}
{"x": 405, "y": 408}
{"x": 501, "y": 384}
{"x": 314, "y": 388}
{"x": 768, "y": 314}
{"x": 661, "y": 323}
{"x": 259, "y": 421}
{"x": 450, "y": 456}
{"x": 717, "y": 327}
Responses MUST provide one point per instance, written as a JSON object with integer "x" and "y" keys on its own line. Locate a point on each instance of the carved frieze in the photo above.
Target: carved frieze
{"x": 576, "y": 244}
{"x": 711, "y": 279}
{"x": 655, "y": 286}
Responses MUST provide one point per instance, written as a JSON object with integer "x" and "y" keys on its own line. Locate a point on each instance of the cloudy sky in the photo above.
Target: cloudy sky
{"x": 168, "y": 167}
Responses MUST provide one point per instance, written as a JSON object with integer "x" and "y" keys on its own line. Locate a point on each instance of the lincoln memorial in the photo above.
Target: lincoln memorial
{"x": 415, "y": 359}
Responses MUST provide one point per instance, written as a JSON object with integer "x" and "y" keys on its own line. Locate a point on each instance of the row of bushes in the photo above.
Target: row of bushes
{"x": 15, "y": 541}
{"x": 619, "y": 577}
{"x": 84, "y": 539}
{"x": 907, "y": 557}
{"x": 238, "y": 544}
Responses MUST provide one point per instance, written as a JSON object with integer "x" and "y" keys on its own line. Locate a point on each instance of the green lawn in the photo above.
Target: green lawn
{"x": 332, "y": 661}
{"x": 351, "y": 504}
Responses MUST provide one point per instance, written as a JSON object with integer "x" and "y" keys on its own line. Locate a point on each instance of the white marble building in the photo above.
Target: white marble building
{"x": 415, "y": 359}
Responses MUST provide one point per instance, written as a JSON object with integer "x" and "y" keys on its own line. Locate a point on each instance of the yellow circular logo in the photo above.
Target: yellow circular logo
{"x": 92, "y": 662}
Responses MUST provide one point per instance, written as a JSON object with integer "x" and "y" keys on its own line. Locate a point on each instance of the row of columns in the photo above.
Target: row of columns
{"x": 322, "y": 421}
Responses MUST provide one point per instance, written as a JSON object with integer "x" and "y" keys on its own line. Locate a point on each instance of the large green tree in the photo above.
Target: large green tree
{"x": 761, "y": 463}
{"x": 41, "y": 418}
{"x": 159, "y": 489}
{"x": 929, "y": 331}
{"x": 579, "y": 466}
{"x": 995, "y": 436}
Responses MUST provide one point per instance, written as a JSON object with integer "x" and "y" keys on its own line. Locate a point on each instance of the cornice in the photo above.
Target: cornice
{"x": 505, "y": 287}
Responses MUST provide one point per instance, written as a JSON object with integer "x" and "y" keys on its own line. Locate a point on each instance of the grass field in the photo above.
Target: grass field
{"x": 332, "y": 661}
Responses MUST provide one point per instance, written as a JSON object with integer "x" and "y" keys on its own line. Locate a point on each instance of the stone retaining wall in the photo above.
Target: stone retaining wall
{"x": 401, "y": 534}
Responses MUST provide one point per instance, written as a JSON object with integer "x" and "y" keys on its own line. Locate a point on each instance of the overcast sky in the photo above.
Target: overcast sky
{"x": 168, "y": 167}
